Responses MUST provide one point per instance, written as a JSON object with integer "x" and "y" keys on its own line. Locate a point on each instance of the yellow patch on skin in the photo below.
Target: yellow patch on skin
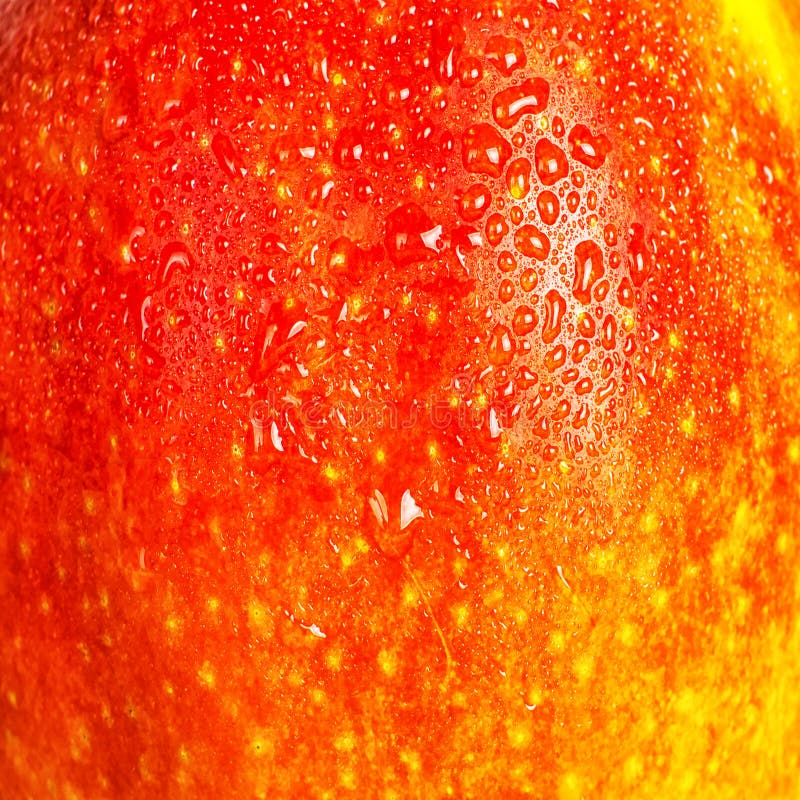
{"x": 766, "y": 32}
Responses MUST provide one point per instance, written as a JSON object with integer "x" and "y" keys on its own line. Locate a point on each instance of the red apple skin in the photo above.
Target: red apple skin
{"x": 221, "y": 226}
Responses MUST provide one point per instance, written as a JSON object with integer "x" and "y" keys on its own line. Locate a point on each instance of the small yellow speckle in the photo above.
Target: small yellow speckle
{"x": 333, "y": 660}
{"x": 388, "y": 662}
{"x": 380, "y": 455}
{"x": 557, "y": 641}
{"x": 674, "y": 340}
{"x": 331, "y": 473}
{"x": 433, "y": 316}
{"x": 219, "y": 342}
{"x": 410, "y": 595}
{"x": 581, "y": 65}
{"x": 89, "y": 504}
{"x": 261, "y": 745}
{"x": 206, "y": 675}
{"x": 345, "y": 742}
{"x": 172, "y": 623}
{"x": 660, "y": 599}
{"x": 347, "y": 779}
{"x": 212, "y": 604}
{"x": 240, "y": 294}
{"x": 318, "y": 697}
{"x": 628, "y": 634}
{"x": 419, "y": 181}
{"x": 583, "y": 667}
{"x": 175, "y": 484}
{"x": 411, "y": 759}
{"x": 520, "y": 735}
{"x": 237, "y": 451}
{"x": 633, "y": 769}
{"x": 793, "y": 451}
{"x": 259, "y": 618}
{"x": 337, "y": 79}
{"x": 44, "y": 604}
{"x": 534, "y": 696}
{"x": 238, "y": 65}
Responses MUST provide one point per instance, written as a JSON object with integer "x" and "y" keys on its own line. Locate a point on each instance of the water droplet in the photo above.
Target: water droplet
{"x": 625, "y": 293}
{"x": 554, "y": 309}
{"x": 518, "y": 178}
{"x": 506, "y": 291}
{"x": 556, "y": 358}
{"x": 529, "y": 97}
{"x": 227, "y": 157}
{"x": 405, "y": 228}
{"x": 551, "y": 162}
{"x": 496, "y": 229}
{"x": 586, "y": 325}
{"x": 501, "y": 346}
{"x": 528, "y": 280}
{"x": 348, "y": 149}
{"x": 638, "y": 256}
{"x": 470, "y": 72}
{"x": 531, "y": 242}
{"x": 506, "y": 262}
{"x": 588, "y": 149}
{"x": 525, "y": 320}
{"x": 548, "y": 207}
{"x": 174, "y": 257}
{"x": 573, "y": 201}
{"x": 609, "y": 337}
{"x": 580, "y": 350}
{"x": 485, "y": 150}
{"x": 588, "y": 270}
{"x": 474, "y": 202}
{"x": 505, "y": 54}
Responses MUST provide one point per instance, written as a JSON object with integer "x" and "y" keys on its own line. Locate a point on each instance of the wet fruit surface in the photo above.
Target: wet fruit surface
{"x": 398, "y": 400}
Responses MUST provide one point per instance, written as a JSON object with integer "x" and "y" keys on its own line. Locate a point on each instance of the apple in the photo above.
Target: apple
{"x": 398, "y": 399}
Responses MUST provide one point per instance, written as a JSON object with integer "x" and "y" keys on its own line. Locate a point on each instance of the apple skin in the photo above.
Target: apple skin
{"x": 211, "y": 585}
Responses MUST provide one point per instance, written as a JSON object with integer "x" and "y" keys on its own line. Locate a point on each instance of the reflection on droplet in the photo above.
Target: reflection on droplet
{"x": 554, "y": 307}
{"x": 518, "y": 178}
{"x": 227, "y": 157}
{"x": 474, "y": 202}
{"x": 588, "y": 149}
{"x": 588, "y": 270}
{"x": 484, "y": 150}
{"x": 501, "y": 346}
{"x": 505, "y": 54}
{"x": 548, "y": 207}
{"x": 174, "y": 256}
{"x": 496, "y": 229}
{"x": 531, "y": 242}
{"x": 551, "y": 162}
{"x": 529, "y": 97}
{"x": 525, "y": 320}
